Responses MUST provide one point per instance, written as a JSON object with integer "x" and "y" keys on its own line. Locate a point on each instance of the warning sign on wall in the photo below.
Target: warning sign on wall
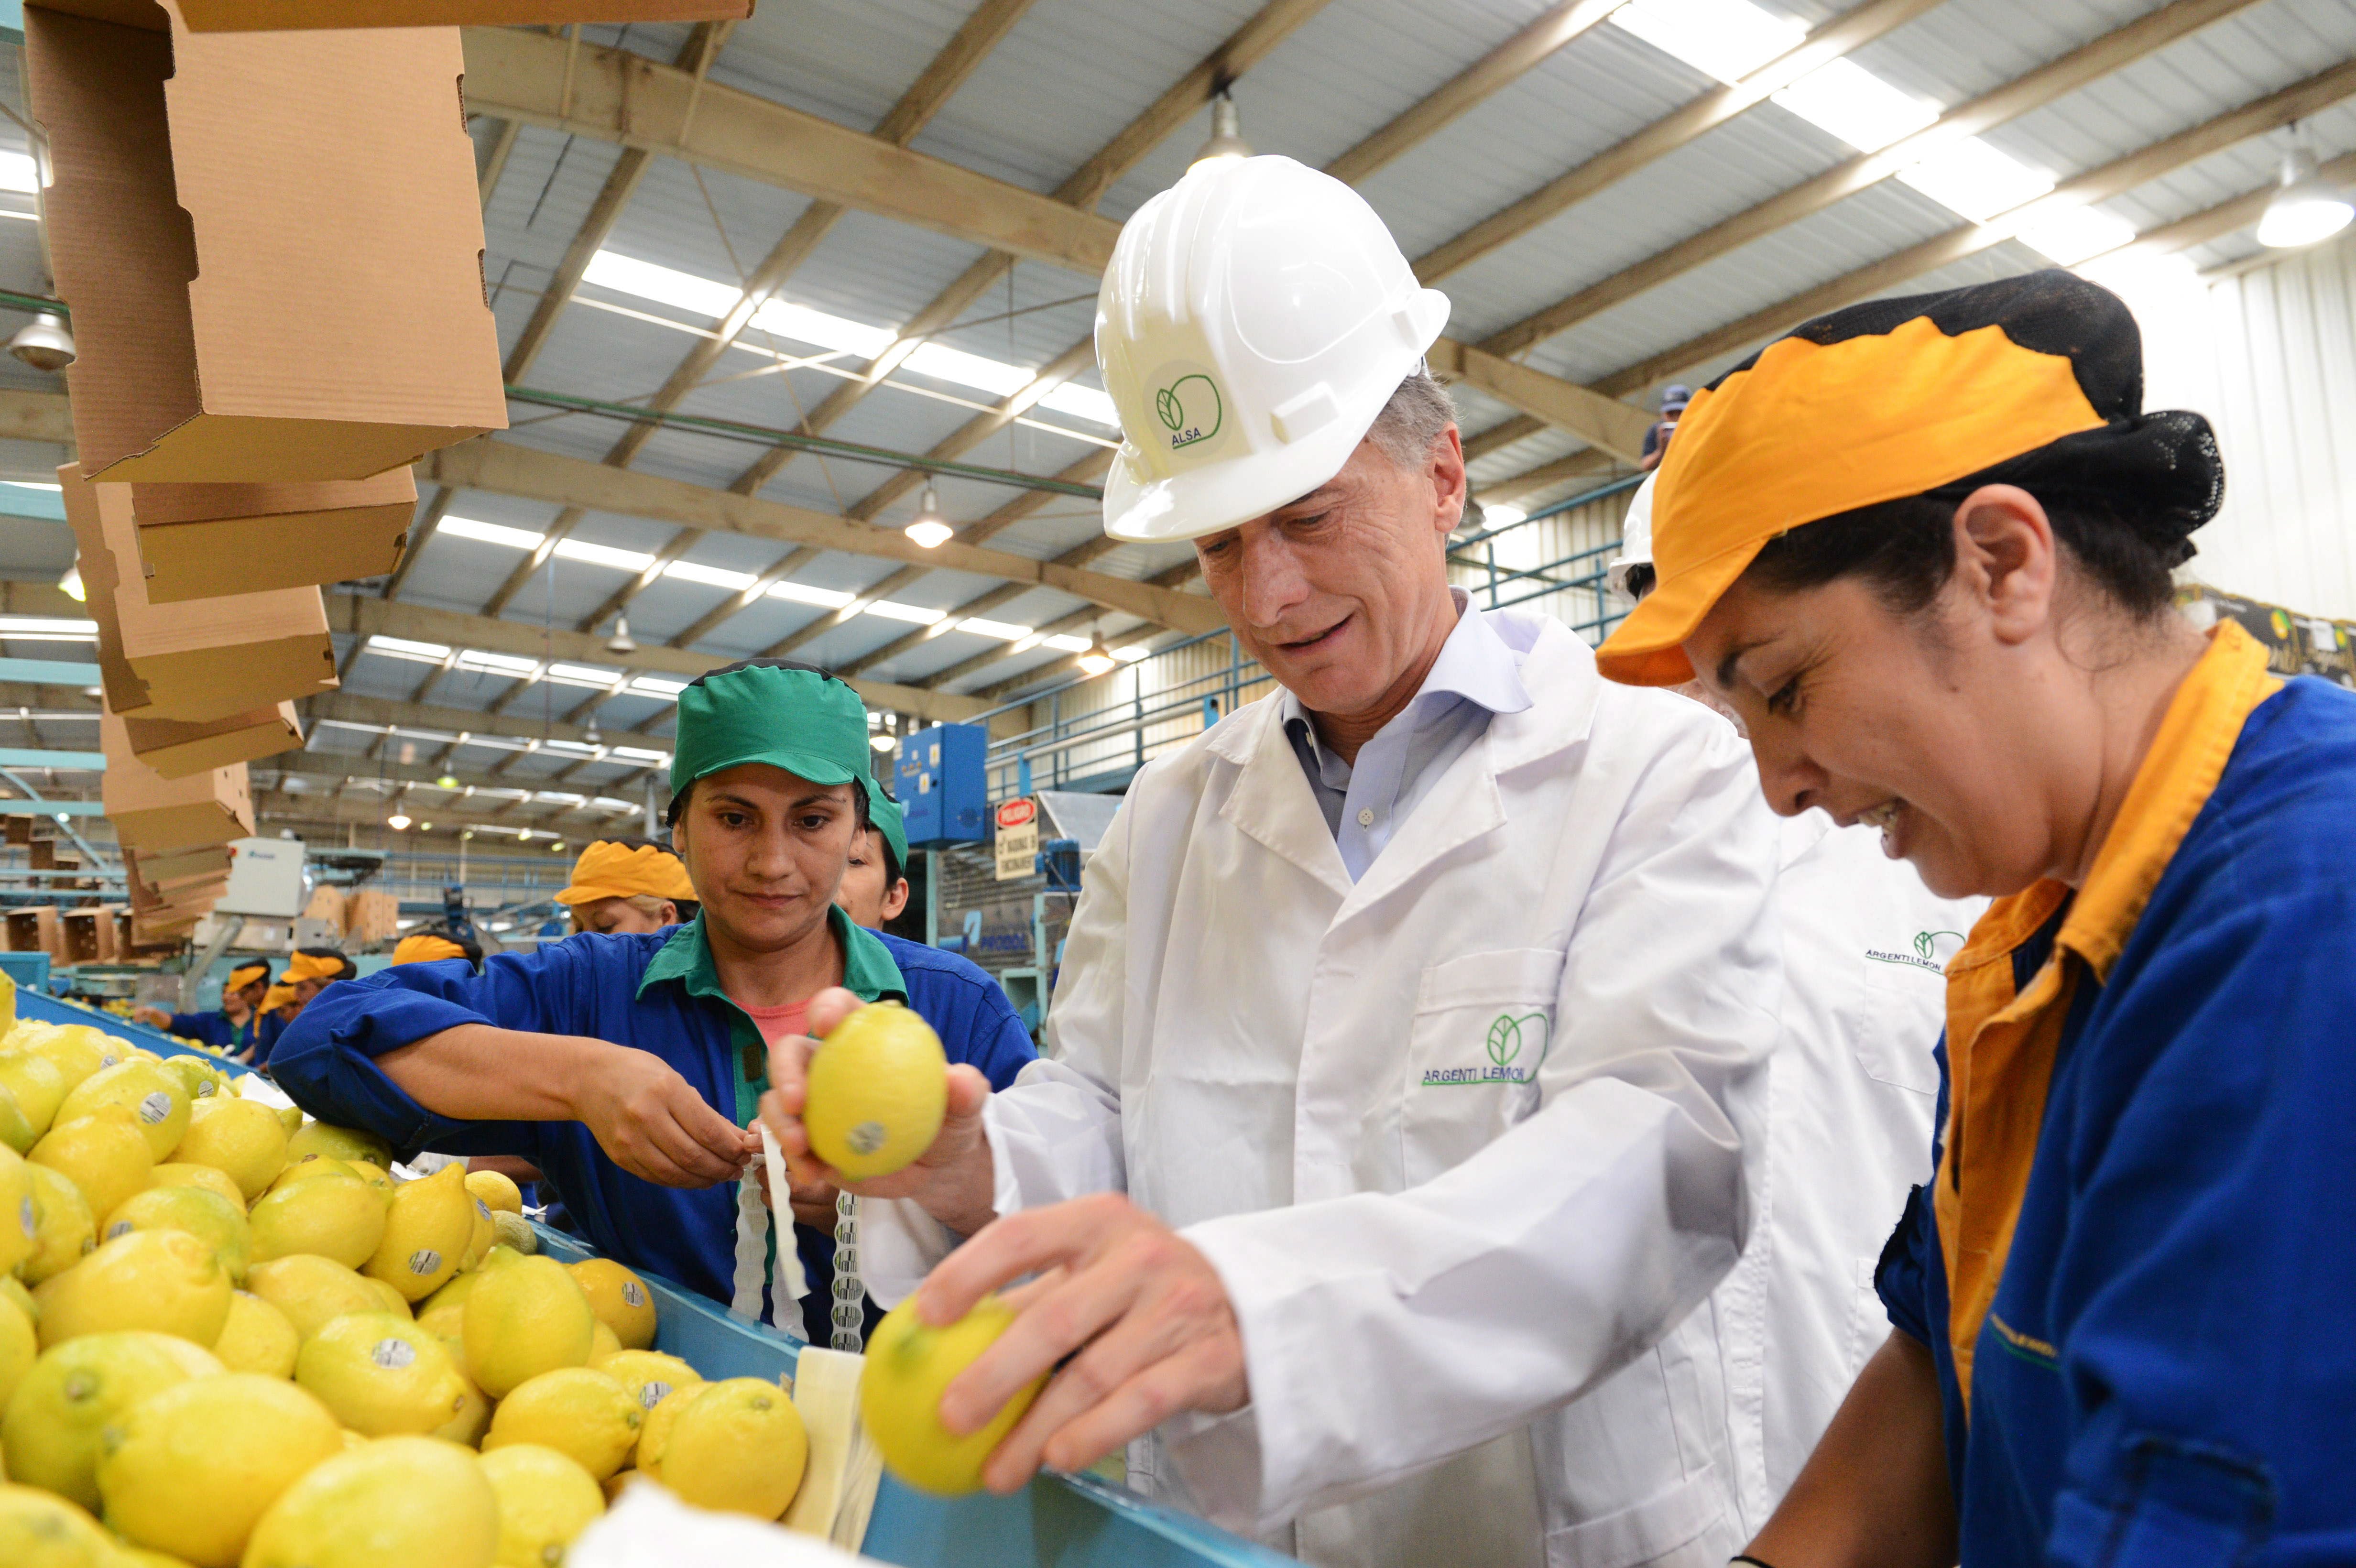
{"x": 1018, "y": 838}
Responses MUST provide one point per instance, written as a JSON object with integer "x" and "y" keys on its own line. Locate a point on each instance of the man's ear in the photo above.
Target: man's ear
{"x": 1450, "y": 485}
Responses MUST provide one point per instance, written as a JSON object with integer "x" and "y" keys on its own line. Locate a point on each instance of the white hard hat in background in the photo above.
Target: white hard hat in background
{"x": 1256, "y": 318}
{"x": 1635, "y": 539}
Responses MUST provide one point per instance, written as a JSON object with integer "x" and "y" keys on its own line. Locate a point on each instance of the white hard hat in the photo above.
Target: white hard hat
{"x": 1635, "y": 539}
{"x": 1256, "y": 318}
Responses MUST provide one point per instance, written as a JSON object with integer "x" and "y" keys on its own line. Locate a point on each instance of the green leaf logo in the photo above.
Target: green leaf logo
{"x": 1505, "y": 1036}
{"x": 1190, "y": 407}
{"x": 1926, "y": 942}
{"x": 1166, "y": 404}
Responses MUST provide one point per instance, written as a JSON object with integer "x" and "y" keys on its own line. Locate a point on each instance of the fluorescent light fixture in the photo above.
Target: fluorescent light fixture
{"x": 1726, "y": 38}
{"x": 489, "y": 533}
{"x": 943, "y": 362}
{"x": 824, "y": 598}
{"x": 402, "y": 648}
{"x": 18, "y": 173}
{"x": 583, "y": 747}
{"x": 1975, "y": 179}
{"x": 582, "y": 675}
{"x": 999, "y": 629}
{"x": 711, "y": 576}
{"x": 1066, "y": 643}
{"x": 640, "y": 754}
{"x": 683, "y": 291}
{"x": 52, "y": 487}
{"x": 603, "y": 555}
{"x": 1025, "y": 644}
{"x": 2305, "y": 209}
{"x": 891, "y": 612}
{"x": 497, "y": 663}
{"x": 2077, "y": 234}
{"x": 610, "y": 804}
{"x": 47, "y": 629}
{"x": 558, "y": 797}
{"x": 1851, "y": 102}
{"x": 1133, "y": 652}
{"x": 656, "y": 685}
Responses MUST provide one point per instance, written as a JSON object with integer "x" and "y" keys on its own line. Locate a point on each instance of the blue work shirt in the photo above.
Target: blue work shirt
{"x": 2165, "y": 1375}
{"x": 658, "y": 993}
{"x": 211, "y": 1029}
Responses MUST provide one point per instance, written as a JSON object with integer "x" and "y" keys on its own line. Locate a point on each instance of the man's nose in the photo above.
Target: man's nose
{"x": 1272, "y": 581}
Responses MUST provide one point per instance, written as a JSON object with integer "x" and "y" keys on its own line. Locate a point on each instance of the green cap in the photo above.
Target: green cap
{"x": 811, "y": 725}
{"x": 892, "y": 822}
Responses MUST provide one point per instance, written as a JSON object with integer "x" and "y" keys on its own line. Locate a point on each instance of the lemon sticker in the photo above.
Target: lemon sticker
{"x": 424, "y": 1260}
{"x": 866, "y": 1137}
{"x": 154, "y": 1107}
{"x": 652, "y": 1394}
{"x": 29, "y": 1217}
{"x": 393, "y": 1354}
{"x": 204, "y": 1088}
{"x": 108, "y": 1060}
{"x": 632, "y": 1294}
{"x": 482, "y": 1208}
{"x": 120, "y": 1228}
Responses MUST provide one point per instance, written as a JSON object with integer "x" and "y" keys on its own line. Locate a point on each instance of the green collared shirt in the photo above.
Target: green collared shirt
{"x": 868, "y": 973}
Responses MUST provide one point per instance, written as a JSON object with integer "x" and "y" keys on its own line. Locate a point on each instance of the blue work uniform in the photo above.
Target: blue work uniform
{"x": 658, "y": 992}
{"x": 2163, "y": 1374}
{"x": 211, "y": 1029}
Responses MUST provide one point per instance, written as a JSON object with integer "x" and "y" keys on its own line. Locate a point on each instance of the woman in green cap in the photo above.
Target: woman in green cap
{"x": 627, "y": 1068}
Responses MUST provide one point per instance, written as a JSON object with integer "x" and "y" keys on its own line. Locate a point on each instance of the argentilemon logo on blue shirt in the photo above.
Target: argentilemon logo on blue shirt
{"x": 1515, "y": 1046}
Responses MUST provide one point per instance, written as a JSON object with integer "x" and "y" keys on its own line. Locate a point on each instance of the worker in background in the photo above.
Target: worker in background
{"x": 434, "y": 945}
{"x": 309, "y": 972}
{"x": 229, "y": 1026}
{"x": 1926, "y": 547}
{"x": 875, "y": 888}
{"x": 628, "y": 887}
{"x": 1416, "y": 1010}
{"x": 1852, "y": 1085}
{"x": 627, "y": 1067}
{"x": 1656, "y": 439}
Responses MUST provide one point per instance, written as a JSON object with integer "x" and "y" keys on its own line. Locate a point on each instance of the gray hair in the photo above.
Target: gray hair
{"x": 1419, "y": 410}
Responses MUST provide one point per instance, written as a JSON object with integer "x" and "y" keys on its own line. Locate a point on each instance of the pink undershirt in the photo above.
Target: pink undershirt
{"x": 778, "y": 1023}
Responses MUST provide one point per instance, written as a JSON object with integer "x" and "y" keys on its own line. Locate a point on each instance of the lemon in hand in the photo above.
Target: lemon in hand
{"x": 909, "y": 1365}
{"x": 584, "y": 1415}
{"x": 397, "y": 1502}
{"x": 545, "y": 1499}
{"x": 878, "y": 1090}
{"x": 191, "y": 1469}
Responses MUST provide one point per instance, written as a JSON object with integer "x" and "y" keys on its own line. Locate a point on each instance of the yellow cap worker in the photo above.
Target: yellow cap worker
{"x": 628, "y": 887}
{"x": 431, "y": 945}
{"x": 231, "y": 1028}
{"x": 312, "y": 970}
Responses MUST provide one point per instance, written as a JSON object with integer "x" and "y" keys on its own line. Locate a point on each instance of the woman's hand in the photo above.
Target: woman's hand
{"x": 652, "y": 1122}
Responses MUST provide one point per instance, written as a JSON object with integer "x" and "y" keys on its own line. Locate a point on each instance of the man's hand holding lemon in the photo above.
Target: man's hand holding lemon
{"x": 1134, "y": 1316}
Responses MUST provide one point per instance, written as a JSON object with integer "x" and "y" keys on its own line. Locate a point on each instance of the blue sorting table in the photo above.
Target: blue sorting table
{"x": 1059, "y": 1521}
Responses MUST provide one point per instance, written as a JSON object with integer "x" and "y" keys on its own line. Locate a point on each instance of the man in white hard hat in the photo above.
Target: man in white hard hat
{"x": 1403, "y": 1054}
{"x": 1852, "y": 1087}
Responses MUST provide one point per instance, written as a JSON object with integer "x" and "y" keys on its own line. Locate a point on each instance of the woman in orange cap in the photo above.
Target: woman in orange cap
{"x": 309, "y": 972}
{"x": 628, "y": 887}
{"x": 1923, "y": 546}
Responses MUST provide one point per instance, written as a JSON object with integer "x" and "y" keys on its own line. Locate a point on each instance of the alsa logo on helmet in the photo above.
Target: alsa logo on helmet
{"x": 1190, "y": 407}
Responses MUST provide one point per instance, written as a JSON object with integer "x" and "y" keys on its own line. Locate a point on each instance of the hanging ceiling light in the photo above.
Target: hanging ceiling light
{"x": 620, "y": 643}
{"x": 70, "y": 584}
{"x": 1099, "y": 658}
{"x": 2305, "y": 209}
{"x": 398, "y": 821}
{"x": 45, "y": 342}
{"x": 1226, "y": 142}
{"x": 929, "y": 528}
{"x": 445, "y": 782}
{"x": 591, "y": 734}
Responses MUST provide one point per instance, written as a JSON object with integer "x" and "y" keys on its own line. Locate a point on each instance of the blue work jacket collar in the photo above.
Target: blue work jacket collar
{"x": 868, "y": 971}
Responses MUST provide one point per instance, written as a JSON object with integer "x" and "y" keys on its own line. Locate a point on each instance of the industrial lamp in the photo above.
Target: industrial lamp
{"x": 1226, "y": 142}
{"x": 1099, "y": 658}
{"x": 2305, "y": 209}
{"x": 929, "y": 528}
{"x": 45, "y": 342}
{"x": 620, "y": 643}
{"x": 398, "y": 821}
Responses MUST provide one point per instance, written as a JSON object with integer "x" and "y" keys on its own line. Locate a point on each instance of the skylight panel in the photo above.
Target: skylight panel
{"x": 1975, "y": 179}
{"x": 711, "y": 576}
{"x": 640, "y": 754}
{"x": 17, "y": 173}
{"x": 1726, "y": 38}
{"x": 1849, "y": 102}
{"x": 489, "y": 533}
{"x": 683, "y": 291}
{"x": 783, "y": 318}
{"x": 1003, "y": 632}
{"x": 603, "y": 555}
{"x": 401, "y": 648}
{"x": 47, "y": 629}
{"x": 891, "y": 612}
{"x": 658, "y": 686}
{"x": 947, "y": 364}
{"x": 586, "y": 675}
{"x": 1086, "y": 402}
{"x": 2077, "y": 235}
{"x": 825, "y": 598}
{"x": 1066, "y": 643}
{"x": 497, "y": 663}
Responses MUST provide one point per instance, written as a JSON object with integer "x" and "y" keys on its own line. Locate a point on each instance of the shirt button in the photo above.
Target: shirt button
{"x": 1365, "y": 816}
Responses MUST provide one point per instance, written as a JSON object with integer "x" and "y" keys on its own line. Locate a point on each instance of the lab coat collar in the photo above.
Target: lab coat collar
{"x": 868, "y": 971}
{"x": 1271, "y": 802}
{"x": 1474, "y": 663}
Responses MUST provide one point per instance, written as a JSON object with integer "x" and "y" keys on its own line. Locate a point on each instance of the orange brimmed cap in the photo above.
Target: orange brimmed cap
{"x": 610, "y": 870}
{"x": 1870, "y": 404}
{"x": 425, "y": 947}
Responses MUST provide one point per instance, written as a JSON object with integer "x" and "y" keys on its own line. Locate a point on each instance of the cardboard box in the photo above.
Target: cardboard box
{"x": 254, "y": 16}
{"x": 200, "y": 542}
{"x": 178, "y": 747}
{"x": 372, "y": 916}
{"x": 89, "y": 934}
{"x": 273, "y": 246}
{"x": 162, "y": 931}
{"x": 35, "y": 929}
{"x": 179, "y": 866}
{"x": 152, "y": 813}
{"x": 326, "y": 905}
{"x": 132, "y": 945}
{"x": 149, "y": 890}
{"x": 206, "y": 659}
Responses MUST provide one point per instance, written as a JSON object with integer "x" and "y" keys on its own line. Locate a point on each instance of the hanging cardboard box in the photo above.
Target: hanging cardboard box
{"x": 201, "y": 541}
{"x": 153, "y": 814}
{"x": 256, "y": 15}
{"x": 206, "y": 659}
{"x": 179, "y": 866}
{"x": 163, "y": 930}
{"x": 151, "y": 888}
{"x": 273, "y": 246}
{"x": 178, "y": 747}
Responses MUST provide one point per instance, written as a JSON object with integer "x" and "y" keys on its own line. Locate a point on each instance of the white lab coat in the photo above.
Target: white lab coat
{"x": 1501, "y": 1274}
{"x": 1850, "y": 1091}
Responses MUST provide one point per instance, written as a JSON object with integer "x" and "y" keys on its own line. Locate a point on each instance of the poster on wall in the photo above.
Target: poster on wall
{"x": 2294, "y": 643}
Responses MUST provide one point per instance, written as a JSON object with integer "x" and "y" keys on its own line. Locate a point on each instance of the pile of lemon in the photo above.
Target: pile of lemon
{"x": 228, "y": 1336}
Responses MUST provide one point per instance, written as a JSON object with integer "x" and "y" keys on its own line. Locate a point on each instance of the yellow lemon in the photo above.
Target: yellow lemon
{"x": 474, "y": 1418}
{"x": 574, "y": 1411}
{"x": 207, "y": 1216}
{"x": 620, "y": 1299}
{"x": 331, "y": 1215}
{"x": 241, "y": 1139}
{"x": 381, "y": 1374}
{"x": 379, "y": 1181}
{"x": 75, "y": 1391}
{"x": 291, "y": 1118}
{"x": 311, "y": 1291}
{"x": 654, "y": 1432}
{"x": 36, "y": 1083}
{"x": 140, "y": 1557}
{"x": 104, "y": 1153}
{"x": 196, "y": 1076}
{"x": 647, "y": 1374}
{"x": 178, "y": 1173}
{"x": 17, "y": 1130}
{"x": 77, "y": 1051}
{"x": 20, "y": 1211}
{"x": 485, "y": 1235}
{"x": 153, "y": 1096}
{"x": 601, "y": 1342}
{"x": 738, "y": 1446}
{"x": 257, "y": 1338}
{"x": 399, "y": 1502}
{"x": 878, "y": 1089}
{"x": 13, "y": 1289}
{"x": 514, "y": 1232}
{"x": 18, "y": 1348}
{"x": 426, "y": 1232}
{"x": 67, "y": 1234}
{"x": 309, "y": 1170}
{"x": 499, "y": 1193}
{"x": 40, "y": 1530}
{"x": 545, "y": 1499}
{"x": 322, "y": 1140}
{"x": 524, "y": 1318}
{"x": 392, "y": 1300}
{"x": 166, "y": 1281}
{"x": 194, "y": 1467}
{"x": 909, "y": 1363}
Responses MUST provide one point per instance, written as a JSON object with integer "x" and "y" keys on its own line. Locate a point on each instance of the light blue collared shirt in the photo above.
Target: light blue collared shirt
{"x": 1477, "y": 676}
